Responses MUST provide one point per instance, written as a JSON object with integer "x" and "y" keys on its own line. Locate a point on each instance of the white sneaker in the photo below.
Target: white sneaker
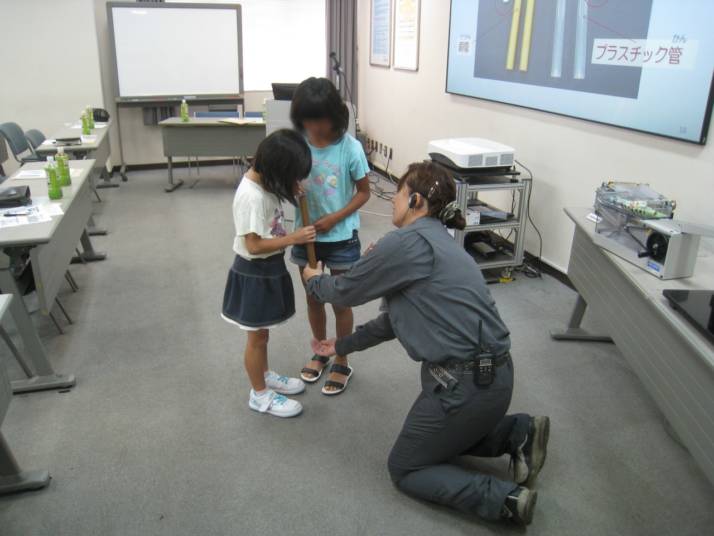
{"x": 283, "y": 384}
{"x": 274, "y": 404}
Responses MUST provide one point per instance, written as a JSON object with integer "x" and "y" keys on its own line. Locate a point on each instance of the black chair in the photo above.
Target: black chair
{"x": 100, "y": 115}
{"x": 16, "y": 141}
{"x": 34, "y": 138}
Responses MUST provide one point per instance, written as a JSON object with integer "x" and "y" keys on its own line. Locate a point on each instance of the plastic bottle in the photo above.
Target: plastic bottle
{"x": 184, "y": 111}
{"x": 54, "y": 191}
{"x": 85, "y": 124}
{"x": 90, "y": 117}
{"x": 63, "y": 167}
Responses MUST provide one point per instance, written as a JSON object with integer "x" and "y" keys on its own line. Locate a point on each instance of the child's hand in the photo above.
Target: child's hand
{"x": 324, "y": 224}
{"x": 324, "y": 348}
{"x": 369, "y": 248}
{"x": 304, "y": 235}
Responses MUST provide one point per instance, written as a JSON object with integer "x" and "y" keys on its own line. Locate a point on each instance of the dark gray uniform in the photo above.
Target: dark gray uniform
{"x": 434, "y": 299}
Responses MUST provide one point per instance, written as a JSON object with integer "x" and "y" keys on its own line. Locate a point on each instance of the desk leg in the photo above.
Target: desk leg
{"x": 122, "y": 164}
{"x": 105, "y": 179}
{"x": 172, "y": 185}
{"x": 12, "y": 478}
{"x": 34, "y": 362}
{"x": 574, "y": 332}
{"x": 89, "y": 254}
{"x": 92, "y": 228}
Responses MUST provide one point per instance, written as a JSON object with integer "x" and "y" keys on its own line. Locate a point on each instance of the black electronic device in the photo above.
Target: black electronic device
{"x": 697, "y": 306}
{"x": 284, "y": 92}
{"x": 15, "y": 196}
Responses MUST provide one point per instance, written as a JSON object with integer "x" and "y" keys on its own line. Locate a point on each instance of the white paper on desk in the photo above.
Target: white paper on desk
{"x": 49, "y": 142}
{"x": 89, "y": 138}
{"x": 50, "y": 209}
{"x": 74, "y": 173}
{"x": 30, "y": 174}
{"x": 100, "y": 125}
{"x": 26, "y": 215}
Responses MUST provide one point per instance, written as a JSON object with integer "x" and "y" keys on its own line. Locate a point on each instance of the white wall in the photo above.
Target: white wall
{"x": 40, "y": 89}
{"x": 569, "y": 157}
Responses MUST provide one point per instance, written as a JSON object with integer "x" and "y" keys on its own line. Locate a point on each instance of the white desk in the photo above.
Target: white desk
{"x": 208, "y": 137}
{"x": 12, "y": 478}
{"x": 672, "y": 359}
{"x": 51, "y": 246}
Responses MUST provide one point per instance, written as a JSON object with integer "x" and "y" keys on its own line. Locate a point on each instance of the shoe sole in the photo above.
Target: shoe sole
{"x": 288, "y": 392}
{"x": 284, "y": 416}
{"x": 540, "y": 448}
{"x": 528, "y": 509}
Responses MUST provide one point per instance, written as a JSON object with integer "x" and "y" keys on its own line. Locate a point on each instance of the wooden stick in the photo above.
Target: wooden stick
{"x": 310, "y": 246}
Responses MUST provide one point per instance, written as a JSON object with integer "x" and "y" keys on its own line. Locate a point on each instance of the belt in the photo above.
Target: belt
{"x": 459, "y": 365}
{"x": 482, "y": 367}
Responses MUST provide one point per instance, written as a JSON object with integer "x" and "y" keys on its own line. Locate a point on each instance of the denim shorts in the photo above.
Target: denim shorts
{"x": 334, "y": 255}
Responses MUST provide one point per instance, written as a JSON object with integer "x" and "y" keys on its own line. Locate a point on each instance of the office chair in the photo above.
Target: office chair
{"x": 16, "y": 141}
{"x": 3, "y": 158}
{"x": 34, "y": 138}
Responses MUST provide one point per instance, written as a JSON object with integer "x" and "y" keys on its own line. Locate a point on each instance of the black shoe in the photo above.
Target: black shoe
{"x": 530, "y": 456}
{"x": 519, "y": 506}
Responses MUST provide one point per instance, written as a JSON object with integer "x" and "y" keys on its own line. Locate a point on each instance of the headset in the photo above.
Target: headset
{"x": 414, "y": 198}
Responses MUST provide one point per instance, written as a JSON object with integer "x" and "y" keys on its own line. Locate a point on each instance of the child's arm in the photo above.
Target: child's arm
{"x": 256, "y": 245}
{"x": 361, "y": 196}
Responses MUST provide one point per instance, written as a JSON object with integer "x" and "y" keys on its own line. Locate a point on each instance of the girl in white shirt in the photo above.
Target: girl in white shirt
{"x": 259, "y": 292}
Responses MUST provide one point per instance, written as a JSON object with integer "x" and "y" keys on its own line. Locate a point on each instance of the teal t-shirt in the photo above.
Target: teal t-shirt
{"x": 331, "y": 185}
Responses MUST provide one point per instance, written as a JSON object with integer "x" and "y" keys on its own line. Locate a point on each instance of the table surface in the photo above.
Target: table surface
{"x": 71, "y": 130}
{"x": 652, "y": 287}
{"x": 41, "y": 233}
{"x": 211, "y": 122}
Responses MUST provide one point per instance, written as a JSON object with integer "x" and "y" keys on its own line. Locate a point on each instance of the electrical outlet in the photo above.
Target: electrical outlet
{"x": 391, "y": 152}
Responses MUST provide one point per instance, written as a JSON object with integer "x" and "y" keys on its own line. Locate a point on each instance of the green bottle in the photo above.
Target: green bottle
{"x": 90, "y": 117}
{"x": 85, "y": 125}
{"x": 63, "y": 167}
{"x": 54, "y": 191}
{"x": 184, "y": 111}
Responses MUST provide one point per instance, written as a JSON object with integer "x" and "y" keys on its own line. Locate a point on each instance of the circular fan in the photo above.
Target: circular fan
{"x": 657, "y": 246}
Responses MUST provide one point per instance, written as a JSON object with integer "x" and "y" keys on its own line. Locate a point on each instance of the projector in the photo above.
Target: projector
{"x": 471, "y": 153}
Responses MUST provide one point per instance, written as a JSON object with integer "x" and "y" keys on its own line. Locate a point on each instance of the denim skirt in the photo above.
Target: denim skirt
{"x": 259, "y": 293}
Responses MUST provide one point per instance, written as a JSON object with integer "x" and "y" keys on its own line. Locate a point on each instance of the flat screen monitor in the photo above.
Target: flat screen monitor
{"x": 284, "y": 91}
{"x": 640, "y": 64}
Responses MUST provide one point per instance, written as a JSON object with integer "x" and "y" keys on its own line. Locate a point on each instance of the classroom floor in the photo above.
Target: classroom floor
{"x": 157, "y": 437}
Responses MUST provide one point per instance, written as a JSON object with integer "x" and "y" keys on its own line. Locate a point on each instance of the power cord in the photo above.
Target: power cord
{"x": 532, "y": 271}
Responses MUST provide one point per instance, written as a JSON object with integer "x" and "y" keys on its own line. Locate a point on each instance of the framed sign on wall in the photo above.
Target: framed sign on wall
{"x": 380, "y": 38}
{"x": 406, "y": 34}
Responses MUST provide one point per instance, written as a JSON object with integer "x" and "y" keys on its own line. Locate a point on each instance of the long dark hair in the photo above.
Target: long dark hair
{"x": 434, "y": 184}
{"x": 282, "y": 160}
{"x": 318, "y": 98}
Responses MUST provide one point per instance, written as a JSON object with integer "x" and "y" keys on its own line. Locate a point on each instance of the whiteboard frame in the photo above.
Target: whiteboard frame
{"x": 163, "y": 5}
{"x": 372, "y": 60}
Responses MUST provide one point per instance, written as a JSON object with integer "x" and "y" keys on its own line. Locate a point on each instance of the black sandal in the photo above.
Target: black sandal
{"x": 314, "y": 374}
{"x": 340, "y": 387}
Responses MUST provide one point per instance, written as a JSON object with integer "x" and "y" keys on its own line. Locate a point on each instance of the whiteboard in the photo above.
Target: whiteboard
{"x": 176, "y": 51}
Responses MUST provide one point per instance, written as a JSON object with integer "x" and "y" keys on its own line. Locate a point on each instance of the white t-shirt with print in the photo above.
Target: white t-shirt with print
{"x": 256, "y": 211}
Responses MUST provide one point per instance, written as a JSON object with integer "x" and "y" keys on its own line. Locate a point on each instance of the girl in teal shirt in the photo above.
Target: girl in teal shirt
{"x": 336, "y": 188}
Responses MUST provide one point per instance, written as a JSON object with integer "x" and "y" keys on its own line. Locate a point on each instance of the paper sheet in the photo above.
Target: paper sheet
{"x": 30, "y": 174}
{"x": 243, "y": 121}
{"x": 35, "y": 213}
{"x": 89, "y": 138}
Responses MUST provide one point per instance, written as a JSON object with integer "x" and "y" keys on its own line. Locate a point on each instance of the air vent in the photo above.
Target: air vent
{"x": 491, "y": 161}
{"x": 475, "y": 160}
{"x": 507, "y": 160}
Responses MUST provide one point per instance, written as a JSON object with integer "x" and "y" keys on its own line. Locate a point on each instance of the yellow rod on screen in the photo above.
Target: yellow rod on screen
{"x": 513, "y": 36}
{"x": 527, "y": 34}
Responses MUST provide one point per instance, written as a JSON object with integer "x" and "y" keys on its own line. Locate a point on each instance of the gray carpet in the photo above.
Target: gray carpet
{"x": 157, "y": 438}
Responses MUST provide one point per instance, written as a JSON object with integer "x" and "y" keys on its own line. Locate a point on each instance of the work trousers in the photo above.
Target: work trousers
{"x": 467, "y": 420}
